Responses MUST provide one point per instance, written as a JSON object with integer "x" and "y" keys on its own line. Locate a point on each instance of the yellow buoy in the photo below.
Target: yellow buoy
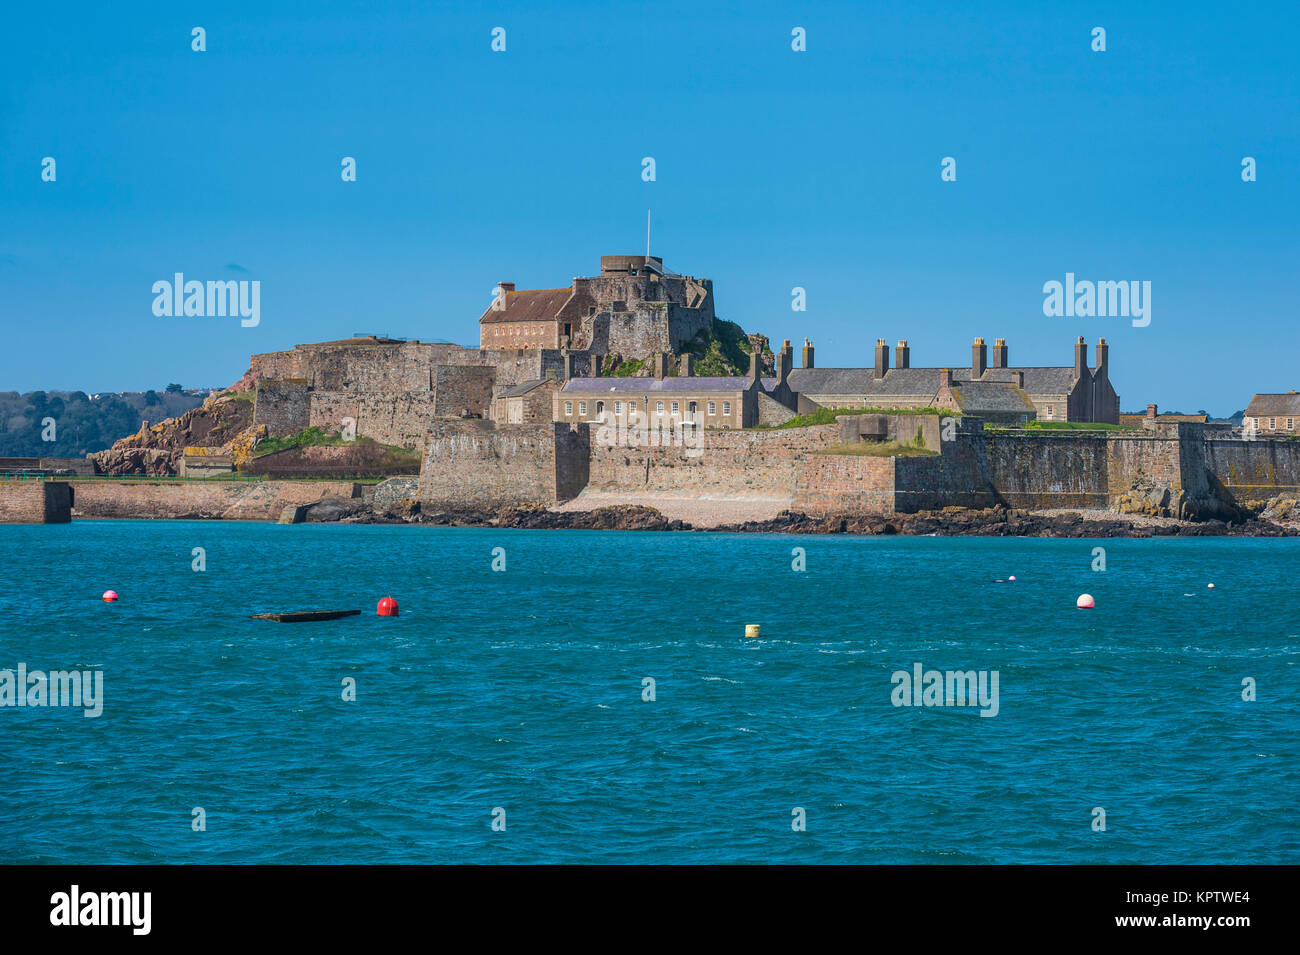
{"x": 751, "y": 629}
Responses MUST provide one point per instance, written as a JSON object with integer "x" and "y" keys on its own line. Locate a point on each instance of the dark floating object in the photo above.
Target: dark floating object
{"x": 304, "y": 616}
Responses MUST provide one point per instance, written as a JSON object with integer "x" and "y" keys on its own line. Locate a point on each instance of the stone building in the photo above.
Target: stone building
{"x": 634, "y": 308}
{"x": 996, "y": 402}
{"x": 1273, "y": 414}
{"x": 663, "y": 402}
{"x": 529, "y": 403}
{"x": 1058, "y": 393}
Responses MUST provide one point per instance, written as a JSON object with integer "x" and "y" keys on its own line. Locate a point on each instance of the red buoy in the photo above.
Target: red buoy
{"x": 387, "y": 607}
{"x": 110, "y": 596}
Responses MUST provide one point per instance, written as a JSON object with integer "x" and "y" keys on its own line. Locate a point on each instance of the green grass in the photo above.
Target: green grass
{"x": 828, "y": 415}
{"x": 623, "y": 369}
{"x": 722, "y": 351}
{"x": 880, "y": 449}
{"x": 1037, "y": 425}
{"x": 306, "y": 438}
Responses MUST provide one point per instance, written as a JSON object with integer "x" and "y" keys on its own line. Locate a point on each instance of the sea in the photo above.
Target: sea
{"x": 559, "y": 696}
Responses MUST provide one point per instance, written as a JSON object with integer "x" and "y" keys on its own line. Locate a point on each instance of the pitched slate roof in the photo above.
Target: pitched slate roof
{"x": 919, "y": 381}
{"x": 523, "y": 388}
{"x": 529, "y": 305}
{"x": 1287, "y": 404}
{"x": 678, "y": 385}
{"x": 991, "y": 396}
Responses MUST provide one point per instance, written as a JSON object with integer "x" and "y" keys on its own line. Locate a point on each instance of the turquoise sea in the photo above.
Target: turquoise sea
{"x": 522, "y": 690}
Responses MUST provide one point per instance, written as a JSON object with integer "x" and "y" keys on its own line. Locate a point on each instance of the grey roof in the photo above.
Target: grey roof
{"x": 522, "y": 388}
{"x": 919, "y": 381}
{"x": 1287, "y": 404}
{"x": 991, "y": 396}
{"x": 656, "y": 384}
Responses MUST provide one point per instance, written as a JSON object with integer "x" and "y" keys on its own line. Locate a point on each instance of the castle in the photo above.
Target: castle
{"x": 543, "y": 354}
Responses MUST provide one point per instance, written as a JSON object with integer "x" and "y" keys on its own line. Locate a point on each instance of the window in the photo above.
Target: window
{"x": 582, "y": 407}
{"x": 568, "y": 408}
{"x": 618, "y": 407}
{"x": 726, "y": 407}
{"x": 600, "y": 408}
{"x": 659, "y": 407}
{"x": 713, "y": 408}
{"x": 676, "y": 408}
{"x": 1290, "y": 424}
{"x": 1272, "y": 424}
{"x": 692, "y": 408}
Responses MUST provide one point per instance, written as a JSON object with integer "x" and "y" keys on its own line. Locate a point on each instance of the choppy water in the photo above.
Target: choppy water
{"x": 523, "y": 690}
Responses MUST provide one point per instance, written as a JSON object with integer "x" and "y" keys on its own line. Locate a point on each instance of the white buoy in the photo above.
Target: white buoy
{"x": 1012, "y": 577}
{"x": 751, "y": 629}
{"x": 1085, "y": 602}
{"x": 1211, "y": 586}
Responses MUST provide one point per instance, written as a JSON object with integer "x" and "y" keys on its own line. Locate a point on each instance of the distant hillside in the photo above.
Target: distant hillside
{"x": 83, "y": 423}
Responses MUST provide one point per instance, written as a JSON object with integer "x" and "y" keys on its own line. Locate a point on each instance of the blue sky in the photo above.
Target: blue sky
{"x": 775, "y": 169}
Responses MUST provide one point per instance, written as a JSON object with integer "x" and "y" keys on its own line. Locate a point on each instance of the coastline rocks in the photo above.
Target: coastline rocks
{"x": 1280, "y": 509}
{"x": 152, "y": 462}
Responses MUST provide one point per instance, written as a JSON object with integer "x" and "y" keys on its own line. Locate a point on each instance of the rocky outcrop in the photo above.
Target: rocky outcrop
{"x": 150, "y": 462}
{"x": 224, "y": 423}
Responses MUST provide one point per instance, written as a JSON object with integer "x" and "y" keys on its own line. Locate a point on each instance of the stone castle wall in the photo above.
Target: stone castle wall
{"x": 730, "y": 463}
{"x": 476, "y": 465}
{"x": 35, "y": 502}
{"x": 197, "y": 500}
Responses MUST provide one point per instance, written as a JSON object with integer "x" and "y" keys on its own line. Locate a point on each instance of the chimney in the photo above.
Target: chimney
{"x": 808, "y": 354}
{"x": 784, "y": 363}
{"x": 1103, "y": 359}
{"x": 687, "y": 368}
{"x": 979, "y": 359}
{"x": 1151, "y": 411}
{"x": 660, "y": 364}
{"x": 999, "y": 353}
{"x": 882, "y": 358}
{"x": 754, "y": 366}
{"x": 568, "y": 367}
{"x": 1080, "y": 358}
{"x": 902, "y": 354}
{"x": 506, "y": 286}
{"x": 595, "y": 365}
{"x": 945, "y": 378}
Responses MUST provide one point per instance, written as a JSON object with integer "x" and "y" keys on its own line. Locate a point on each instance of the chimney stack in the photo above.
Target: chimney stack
{"x": 1151, "y": 411}
{"x": 979, "y": 359}
{"x": 999, "y": 353}
{"x": 595, "y": 365}
{"x": 945, "y": 377}
{"x": 1103, "y": 359}
{"x": 687, "y": 368}
{"x": 660, "y": 365}
{"x": 807, "y": 354}
{"x": 1080, "y": 358}
{"x": 784, "y": 363}
{"x": 568, "y": 366}
{"x": 902, "y": 354}
{"x": 882, "y": 358}
{"x": 754, "y": 365}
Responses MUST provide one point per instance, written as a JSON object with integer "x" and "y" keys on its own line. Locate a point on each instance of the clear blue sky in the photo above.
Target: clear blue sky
{"x": 775, "y": 169}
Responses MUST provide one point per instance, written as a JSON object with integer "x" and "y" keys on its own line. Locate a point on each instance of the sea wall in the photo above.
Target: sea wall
{"x": 35, "y": 502}
{"x": 475, "y": 464}
{"x": 719, "y": 463}
{"x": 200, "y": 500}
{"x": 1255, "y": 470}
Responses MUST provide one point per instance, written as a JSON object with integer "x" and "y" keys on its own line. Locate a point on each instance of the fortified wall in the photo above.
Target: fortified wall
{"x": 390, "y": 390}
{"x": 1181, "y": 468}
